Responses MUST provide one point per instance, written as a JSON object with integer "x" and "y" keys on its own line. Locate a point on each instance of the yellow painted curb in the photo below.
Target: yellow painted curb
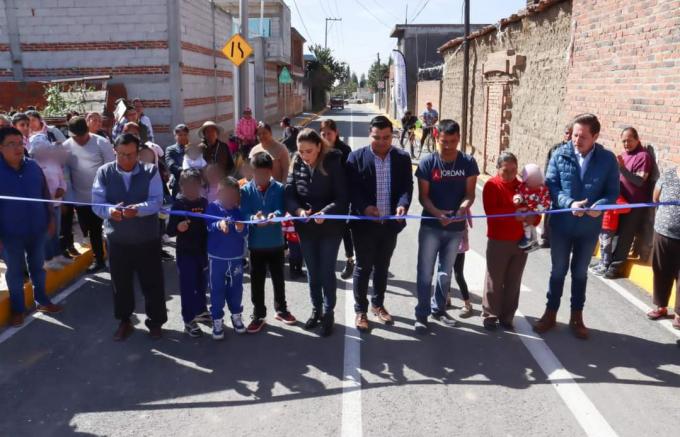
{"x": 55, "y": 280}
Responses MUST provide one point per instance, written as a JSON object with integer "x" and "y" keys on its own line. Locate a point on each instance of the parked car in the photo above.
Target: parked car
{"x": 337, "y": 102}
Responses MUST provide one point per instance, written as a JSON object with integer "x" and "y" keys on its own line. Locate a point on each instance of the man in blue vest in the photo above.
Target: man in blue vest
{"x": 133, "y": 239}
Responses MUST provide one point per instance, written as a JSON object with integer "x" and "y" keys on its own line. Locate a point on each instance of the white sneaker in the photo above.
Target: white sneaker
{"x": 237, "y": 323}
{"x": 52, "y": 264}
{"x": 218, "y": 329}
{"x": 61, "y": 259}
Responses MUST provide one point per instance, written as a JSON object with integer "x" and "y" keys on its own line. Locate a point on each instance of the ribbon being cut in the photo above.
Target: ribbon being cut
{"x": 598, "y": 207}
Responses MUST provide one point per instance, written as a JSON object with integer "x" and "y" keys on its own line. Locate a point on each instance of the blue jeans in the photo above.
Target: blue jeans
{"x": 580, "y": 249}
{"x": 320, "y": 254}
{"x": 432, "y": 243}
{"x": 52, "y": 245}
{"x": 191, "y": 269}
{"x": 226, "y": 284}
{"x": 15, "y": 253}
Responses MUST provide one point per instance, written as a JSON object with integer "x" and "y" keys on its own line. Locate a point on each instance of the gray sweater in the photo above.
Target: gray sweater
{"x": 82, "y": 165}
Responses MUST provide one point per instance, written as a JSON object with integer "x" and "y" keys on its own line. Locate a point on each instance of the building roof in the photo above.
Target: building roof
{"x": 297, "y": 34}
{"x": 400, "y": 29}
{"x": 530, "y": 10}
{"x": 308, "y": 57}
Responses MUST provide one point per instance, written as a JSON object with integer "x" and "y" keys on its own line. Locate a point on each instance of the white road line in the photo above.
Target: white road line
{"x": 637, "y": 303}
{"x": 9, "y": 332}
{"x": 585, "y": 412}
{"x": 351, "y": 425}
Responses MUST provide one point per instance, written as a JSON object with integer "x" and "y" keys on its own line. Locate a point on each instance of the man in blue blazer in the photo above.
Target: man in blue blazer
{"x": 581, "y": 174}
{"x": 380, "y": 184}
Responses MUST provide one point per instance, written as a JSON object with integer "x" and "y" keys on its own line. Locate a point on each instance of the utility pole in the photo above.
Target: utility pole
{"x": 243, "y": 80}
{"x": 325, "y": 39}
{"x": 466, "y": 76}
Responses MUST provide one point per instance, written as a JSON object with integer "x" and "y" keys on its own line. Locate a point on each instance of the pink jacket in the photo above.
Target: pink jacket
{"x": 246, "y": 129}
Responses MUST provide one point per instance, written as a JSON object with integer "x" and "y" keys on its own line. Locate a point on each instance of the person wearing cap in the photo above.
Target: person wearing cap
{"x": 214, "y": 150}
{"x": 86, "y": 153}
{"x": 24, "y": 226}
{"x": 174, "y": 157}
{"x": 246, "y": 129}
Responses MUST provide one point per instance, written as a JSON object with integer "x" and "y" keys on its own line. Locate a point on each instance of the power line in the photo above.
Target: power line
{"x": 386, "y": 10}
{"x": 420, "y": 10}
{"x": 303, "y": 23}
{"x": 372, "y": 14}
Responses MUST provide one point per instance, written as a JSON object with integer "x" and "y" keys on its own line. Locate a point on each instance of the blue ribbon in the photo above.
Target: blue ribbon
{"x": 345, "y": 217}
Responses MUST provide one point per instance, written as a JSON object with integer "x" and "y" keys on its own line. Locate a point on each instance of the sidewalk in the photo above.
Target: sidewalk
{"x": 299, "y": 121}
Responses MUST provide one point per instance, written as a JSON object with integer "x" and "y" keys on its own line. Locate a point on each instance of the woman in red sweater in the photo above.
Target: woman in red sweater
{"x": 504, "y": 260}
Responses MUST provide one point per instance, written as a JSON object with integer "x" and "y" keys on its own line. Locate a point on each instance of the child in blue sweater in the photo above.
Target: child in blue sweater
{"x": 226, "y": 248}
{"x": 262, "y": 198}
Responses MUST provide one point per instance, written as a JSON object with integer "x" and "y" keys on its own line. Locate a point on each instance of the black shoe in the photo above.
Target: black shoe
{"x": 313, "y": 320}
{"x": 165, "y": 256}
{"x": 421, "y": 326}
{"x": 296, "y": 272}
{"x": 327, "y": 323}
{"x": 490, "y": 323}
{"x": 612, "y": 274}
{"x": 96, "y": 267}
{"x": 444, "y": 318}
{"x": 348, "y": 270}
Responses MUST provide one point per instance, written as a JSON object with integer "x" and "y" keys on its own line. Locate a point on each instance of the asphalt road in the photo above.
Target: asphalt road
{"x": 63, "y": 375}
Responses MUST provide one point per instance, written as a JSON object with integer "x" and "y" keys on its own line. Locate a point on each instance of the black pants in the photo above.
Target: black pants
{"x": 630, "y": 225}
{"x": 374, "y": 247}
{"x": 262, "y": 260}
{"x": 458, "y": 267}
{"x": 666, "y": 268}
{"x": 144, "y": 259}
{"x": 67, "y": 212}
{"x": 545, "y": 237}
{"x": 347, "y": 242}
{"x": 92, "y": 226}
{"x": 426, "y": 131}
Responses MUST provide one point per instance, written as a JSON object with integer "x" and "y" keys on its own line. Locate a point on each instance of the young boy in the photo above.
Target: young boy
{"x": 191, "y": 248}
{"x": 24, "y": 226}
{"x": 610, "y": 224}
{"x": 226, "y": 247}
{"x": 262, "y": 198}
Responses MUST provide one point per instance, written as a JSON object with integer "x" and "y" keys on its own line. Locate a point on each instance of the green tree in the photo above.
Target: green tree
{"x": 376, "y": 73}
{"x": 362, "y": 80}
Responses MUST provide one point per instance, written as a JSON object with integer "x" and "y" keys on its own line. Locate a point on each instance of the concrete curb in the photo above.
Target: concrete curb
{"x": 55, "y": 281}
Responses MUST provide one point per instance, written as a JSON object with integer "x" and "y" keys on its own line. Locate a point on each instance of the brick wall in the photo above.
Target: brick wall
{"x": 427, "y": 91}
{"x": 207, "y": 75}
{"x": 626, "y": 69}
{"x": 524, "y": 111}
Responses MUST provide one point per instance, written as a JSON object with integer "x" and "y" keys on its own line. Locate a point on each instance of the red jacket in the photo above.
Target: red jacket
{"x": 497, "y": 197}
{"x": 610, "y": 219}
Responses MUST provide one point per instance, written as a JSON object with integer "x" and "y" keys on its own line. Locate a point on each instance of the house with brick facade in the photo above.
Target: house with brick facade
{"x": 534, "y": 71}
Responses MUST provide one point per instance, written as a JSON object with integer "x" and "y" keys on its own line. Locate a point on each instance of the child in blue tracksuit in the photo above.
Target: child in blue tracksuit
{"x": 226, "y": 248}
{"x": 191, "y": 248}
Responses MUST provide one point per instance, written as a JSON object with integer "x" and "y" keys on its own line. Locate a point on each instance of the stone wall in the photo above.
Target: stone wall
{"x": 517, "y": 86}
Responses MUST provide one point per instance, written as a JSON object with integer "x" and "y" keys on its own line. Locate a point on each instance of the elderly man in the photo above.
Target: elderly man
{"x": 86, "y": 153}
{"x": 214, "y": 150}
{"x": 581, "y": 174}
{"x": 133, "y": 238}
{"x": 95, "y": 125}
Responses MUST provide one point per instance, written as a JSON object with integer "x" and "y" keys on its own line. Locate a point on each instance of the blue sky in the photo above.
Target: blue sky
{"x": 364, "y": 31}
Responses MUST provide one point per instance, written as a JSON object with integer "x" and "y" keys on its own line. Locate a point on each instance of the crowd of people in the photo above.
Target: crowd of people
{"x": 229, "y": 205}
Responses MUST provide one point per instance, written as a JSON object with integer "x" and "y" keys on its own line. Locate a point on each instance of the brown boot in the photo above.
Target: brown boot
{"x": 547, "y": 322}
{"x": 577, "y": 327}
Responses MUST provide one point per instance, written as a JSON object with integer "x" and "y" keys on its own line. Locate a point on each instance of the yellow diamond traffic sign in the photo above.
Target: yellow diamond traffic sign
{"x": 237, "y": 49}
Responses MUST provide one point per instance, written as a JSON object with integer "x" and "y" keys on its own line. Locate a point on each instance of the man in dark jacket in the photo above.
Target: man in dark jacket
{"x": 24, "y": 226}
{"x": 380, "y": 184}
{"x": 174, "y": 157}
{"x": 581, "y": 174}
{"x": 132, "y": 233}
{"x": 290, "y": 134}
